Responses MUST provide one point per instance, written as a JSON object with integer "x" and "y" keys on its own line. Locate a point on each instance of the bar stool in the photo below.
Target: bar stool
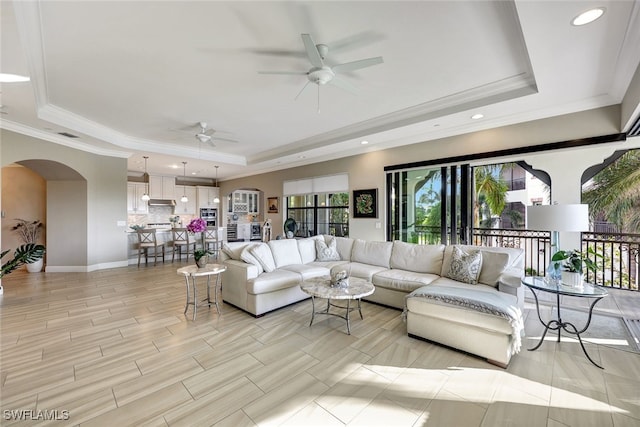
{"x": 147, "y": 240}
{"x": 182, "y": 239}
{"x": 210, "y": 241}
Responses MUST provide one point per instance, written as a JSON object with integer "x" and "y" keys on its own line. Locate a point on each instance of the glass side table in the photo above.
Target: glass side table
{"x": 558, "y": 288}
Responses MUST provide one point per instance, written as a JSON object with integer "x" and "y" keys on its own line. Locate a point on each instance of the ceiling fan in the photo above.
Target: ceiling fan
{"x": 320, "y": 73}
{"x": 206, "y": 135}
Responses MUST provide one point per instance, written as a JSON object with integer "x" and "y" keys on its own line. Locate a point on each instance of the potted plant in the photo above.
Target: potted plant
{"x": 29, "y": 232}
{"x": 198, "y": 225}
{"x": 572, "y": 265}
{"x": 24, "y": 254}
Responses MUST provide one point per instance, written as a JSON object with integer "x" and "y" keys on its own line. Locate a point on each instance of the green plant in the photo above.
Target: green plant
{"x": 199, "y": 253}
{"x": 24, "y": 254}
{"x": 575, "y": 261}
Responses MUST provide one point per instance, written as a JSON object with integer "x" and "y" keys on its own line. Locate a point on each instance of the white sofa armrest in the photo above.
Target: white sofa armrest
{"x": 510, "y": 282}
{"x": 234, "y": 282}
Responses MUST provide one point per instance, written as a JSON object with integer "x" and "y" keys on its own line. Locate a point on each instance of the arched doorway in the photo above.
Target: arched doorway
{"x": 55, "y": 194}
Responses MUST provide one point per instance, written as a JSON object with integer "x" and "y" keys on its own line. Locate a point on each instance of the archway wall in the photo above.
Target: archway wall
{"x": 82, "y": 211}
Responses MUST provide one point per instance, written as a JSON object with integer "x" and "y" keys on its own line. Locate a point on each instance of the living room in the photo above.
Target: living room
{"x": 106, "y": 342}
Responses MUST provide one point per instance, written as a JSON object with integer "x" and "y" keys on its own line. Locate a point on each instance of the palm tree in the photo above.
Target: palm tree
{"x": 615, "y": 192}
{"x": 490, "y": 192}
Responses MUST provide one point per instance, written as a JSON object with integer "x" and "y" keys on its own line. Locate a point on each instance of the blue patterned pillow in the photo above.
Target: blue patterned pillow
{"x": 465, "y": 267}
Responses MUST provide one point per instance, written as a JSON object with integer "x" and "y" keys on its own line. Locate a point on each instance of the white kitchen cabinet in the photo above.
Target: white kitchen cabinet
{"x": 162, "y": 187}
{"x": 246, "y": 202}
{"x": 206, "y": 196}
{"x": 190, "y": 206}
{"x": 244, "y": 232}
{"x": 135, "y": 204}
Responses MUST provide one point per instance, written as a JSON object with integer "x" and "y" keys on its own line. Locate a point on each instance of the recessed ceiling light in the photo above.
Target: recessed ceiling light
{"x": 477, "y": 116}
{"x": 364, "y": 142}
{"x": 588, "y": 16}
{"x": 13, "y": 78}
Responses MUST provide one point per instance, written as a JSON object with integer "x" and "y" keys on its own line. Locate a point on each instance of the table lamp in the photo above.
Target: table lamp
{"x": 556, "y": 218}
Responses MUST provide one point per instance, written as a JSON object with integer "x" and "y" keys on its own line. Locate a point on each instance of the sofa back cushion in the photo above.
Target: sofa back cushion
{"x": 373, "y": 253}
{"x": 495, "y": 261}
{"x": 285, "y": 252}
{"x": 417, "y": 258}
{"x": 262, "y": 253}
{"x": 307, "y": 249}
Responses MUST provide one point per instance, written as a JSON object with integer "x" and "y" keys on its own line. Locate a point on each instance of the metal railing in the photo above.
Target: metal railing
{"x": 618, "y": 261}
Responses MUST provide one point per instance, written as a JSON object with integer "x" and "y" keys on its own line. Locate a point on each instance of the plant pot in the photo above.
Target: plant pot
{"x": 35, "y": 267}
{"x": 202, "y": 262}
{"x": 572, "y": 279}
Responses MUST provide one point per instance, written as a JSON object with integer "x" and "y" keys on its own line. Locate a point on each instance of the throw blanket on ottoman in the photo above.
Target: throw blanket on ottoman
{"x": 483, "y": 302}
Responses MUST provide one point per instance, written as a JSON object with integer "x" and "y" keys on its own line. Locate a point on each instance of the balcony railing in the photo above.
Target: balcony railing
{"x": 618, "y": 263}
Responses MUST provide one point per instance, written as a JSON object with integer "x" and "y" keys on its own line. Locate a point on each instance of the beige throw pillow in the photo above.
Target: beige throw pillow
{"x": 247, "y": 257}
{"x": 465, "y": 267}
{"x": 327, "y": 251}
{"x": 262, "y": 253}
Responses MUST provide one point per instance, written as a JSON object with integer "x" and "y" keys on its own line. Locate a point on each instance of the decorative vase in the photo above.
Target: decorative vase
{"x": 572, "y": 279}
{"x": 202, "y": 261}
{"x": 35, "y": 267}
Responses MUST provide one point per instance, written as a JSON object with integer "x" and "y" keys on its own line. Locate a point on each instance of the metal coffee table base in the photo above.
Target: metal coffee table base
{"x": 348, "y": 309}
{"x": 558, "y": 325}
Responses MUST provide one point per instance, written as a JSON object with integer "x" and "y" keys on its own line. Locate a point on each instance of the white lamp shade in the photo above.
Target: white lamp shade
{"x": 558, "y": 217}
{"x": 184, "y": 199}
{"x": 216, "y": 200}
{"x": 145, "y": 197}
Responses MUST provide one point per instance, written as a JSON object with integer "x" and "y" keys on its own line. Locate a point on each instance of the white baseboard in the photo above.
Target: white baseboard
{"x": 84, "y": 268}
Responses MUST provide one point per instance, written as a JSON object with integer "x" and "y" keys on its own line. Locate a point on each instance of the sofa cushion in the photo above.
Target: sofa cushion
{"x": 262, "y": 253}
{"x": 273, "y": 281}
{"x": 307, "y": 271}
{"x": 307, "y": 249}
{"x": 344, "y": 246}
{"x": 373, "y": 253}
{"x": 493, "y": 265}
{"x": 418, "y": 258}
{"x": 327, "y": 251}
{"x": 247, "y": 257}
{"x": 356, "y": 269}
{"x": 234, "y": 249}
{"x": 465, "y": 266}
{"x": 285, "y": 252}
{"x": 402, "y": 280}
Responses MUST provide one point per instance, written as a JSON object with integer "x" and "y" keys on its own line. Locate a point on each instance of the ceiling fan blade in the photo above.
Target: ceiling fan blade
{"x": 356, "y": 65}
{"x": 312, "y": 51}
{"x": 343, "y": 84}
{"x": 295, "y": 73}
{"x": 302, "y": 90}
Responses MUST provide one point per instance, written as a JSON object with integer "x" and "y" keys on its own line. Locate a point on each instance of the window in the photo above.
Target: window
{"x": 325, "y": 213}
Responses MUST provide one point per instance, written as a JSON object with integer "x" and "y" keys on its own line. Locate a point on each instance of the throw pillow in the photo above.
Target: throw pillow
{"x": 247, "y": 257}
{"x": 263, "y": 254}
{"x": 327, "y": 251}
{"x": 493, "y": 265}
{"x": 465, "y": 267}
{"x": 232, "y": 252}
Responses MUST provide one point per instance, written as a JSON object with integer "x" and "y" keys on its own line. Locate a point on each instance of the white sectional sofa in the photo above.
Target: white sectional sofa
{"x": 262, "y": 277}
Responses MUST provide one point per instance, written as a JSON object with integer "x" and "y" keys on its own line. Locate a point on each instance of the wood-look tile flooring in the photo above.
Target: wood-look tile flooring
{"x": 113, "y": 348}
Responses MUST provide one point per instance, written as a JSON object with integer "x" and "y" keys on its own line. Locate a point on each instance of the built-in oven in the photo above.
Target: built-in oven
{"x": 210, "y": 215}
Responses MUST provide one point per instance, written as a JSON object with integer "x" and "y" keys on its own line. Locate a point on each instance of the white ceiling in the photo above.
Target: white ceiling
{"x": 132, "y": 78}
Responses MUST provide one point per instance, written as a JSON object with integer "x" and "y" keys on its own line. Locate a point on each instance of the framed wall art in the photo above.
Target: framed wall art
{"x": 365, "y": 203}
{"x": 272, "y": 204}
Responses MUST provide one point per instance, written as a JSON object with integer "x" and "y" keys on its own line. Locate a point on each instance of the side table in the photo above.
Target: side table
{"x": 558, "y": 288}
{"x": 190, "y": 274}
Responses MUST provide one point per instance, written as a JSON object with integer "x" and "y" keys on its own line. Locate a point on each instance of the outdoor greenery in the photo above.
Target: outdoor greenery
{"x": 614, "y": 193}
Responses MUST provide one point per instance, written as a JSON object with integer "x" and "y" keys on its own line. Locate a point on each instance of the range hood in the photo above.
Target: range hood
{"x": 162, "y": 202}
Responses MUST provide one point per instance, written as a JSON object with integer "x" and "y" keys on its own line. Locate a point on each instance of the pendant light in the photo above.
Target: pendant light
{"x": 145, "y": 197}
{"x": 217, "y": 199}
{"x": 184, "y": 190}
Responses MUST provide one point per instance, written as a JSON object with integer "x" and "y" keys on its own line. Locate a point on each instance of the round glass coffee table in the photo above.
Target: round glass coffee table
{"x": 558, "y": 288}
{"x": 320, "y": 287}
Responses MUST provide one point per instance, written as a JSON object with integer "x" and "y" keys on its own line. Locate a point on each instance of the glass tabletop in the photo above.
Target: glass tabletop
{"x": 556, "y": 287}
